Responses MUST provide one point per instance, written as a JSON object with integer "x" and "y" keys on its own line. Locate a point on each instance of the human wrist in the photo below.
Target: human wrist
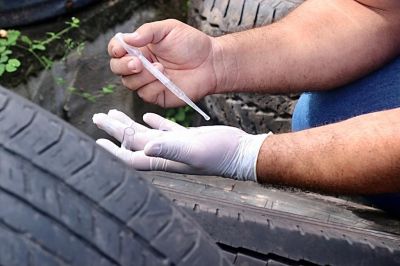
{"x": 247, "y": 156}
{"x": 225, "y": 64}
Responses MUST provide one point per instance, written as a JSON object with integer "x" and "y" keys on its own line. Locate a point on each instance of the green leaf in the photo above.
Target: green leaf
{"x": 108, "y": 89}
{"x": 12, "y": 36}
{"x": 26, "y": 39}
{"x": 3, "y": 42}
{"x": 51, "y": 34}
{"x": 181, "y": 115}
{"x": 71, "y": 89}
{"x": 2, "y": 49}
{"x": 170, "y": 113}
{"x": 80, "y": 48}
{"x": 11, "y": 67}
{"x": 14, "y": 62}
{"x": 61, "y": 81}
{"x": 68, "y": 42}
{"x": 2, "y": 69}
{"x": 74, "y": 23}
{"x": 6, "y": 52}
{"x": 3, "y": 58}
{"x": 39, "y": 47}
{"x": 89, "y": 97}
{"x": 48, "y": 63}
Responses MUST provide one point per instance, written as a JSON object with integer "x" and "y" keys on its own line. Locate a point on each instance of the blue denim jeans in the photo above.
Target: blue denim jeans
{"x": 375, "y": 92}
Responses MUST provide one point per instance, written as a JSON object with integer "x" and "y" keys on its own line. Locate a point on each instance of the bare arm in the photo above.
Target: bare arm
{"x": 357, "y": 156}
{"x": 321, "y": 45}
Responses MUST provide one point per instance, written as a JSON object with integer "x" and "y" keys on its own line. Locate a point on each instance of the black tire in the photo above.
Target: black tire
{"x": 254, "y": 113}
{"x": 65, "y": 201}
{"x": 264, "y": 226}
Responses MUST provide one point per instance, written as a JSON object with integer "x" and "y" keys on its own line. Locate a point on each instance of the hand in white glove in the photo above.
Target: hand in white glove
{"x": 210, "y": 150}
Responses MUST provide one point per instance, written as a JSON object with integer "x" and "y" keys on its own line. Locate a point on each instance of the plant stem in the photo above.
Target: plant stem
{"x": 56, "y": 36}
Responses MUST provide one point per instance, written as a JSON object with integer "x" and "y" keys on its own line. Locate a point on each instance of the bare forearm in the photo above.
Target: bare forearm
{"x": 321, "y": 45}
{"x": 358, "y": 156}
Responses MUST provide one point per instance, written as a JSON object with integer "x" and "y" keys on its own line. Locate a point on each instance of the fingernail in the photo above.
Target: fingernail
{"x": 132, "y": 65}
{"x": 114, "y": 52}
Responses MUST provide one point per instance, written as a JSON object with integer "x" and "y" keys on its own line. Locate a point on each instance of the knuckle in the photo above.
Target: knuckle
{"x": 172, "y": 21}
{"x": 112, "y": 66}
{"x": 140, "y": 94}
{"x": 126, "y": 83}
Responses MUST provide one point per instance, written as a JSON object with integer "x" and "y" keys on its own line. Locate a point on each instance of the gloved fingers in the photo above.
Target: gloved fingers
{"x": 126, "y": 65}
{"x": 158, "y": 122}
{"x": 126, "y": 120}
{"x": 118, "y": 130}
{"x": 140, "y": 139}
{"x": 123, "y": 154}
{"x": 120, "y": 116}
{"x": 109, "y": 125}
{"x": 161, "y": 164}
{"x": 171, "y": 148}
{"x": 140, "y": 161}
{"x": 137, "y": 160}
{"x": 139, "y": 80}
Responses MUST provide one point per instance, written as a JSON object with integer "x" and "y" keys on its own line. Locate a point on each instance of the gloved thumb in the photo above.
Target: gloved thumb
{"x": 168, "y": 148}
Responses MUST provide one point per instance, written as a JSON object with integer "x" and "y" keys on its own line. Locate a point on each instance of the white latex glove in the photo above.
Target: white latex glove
{"x": 208, "y": 150}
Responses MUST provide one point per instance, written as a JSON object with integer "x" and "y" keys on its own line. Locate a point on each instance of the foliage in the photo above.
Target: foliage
{"x": 7, "y": 62}
{"x": 37, "y": 48}
{"x": 181, "y": 115}
{"x": 91, "y": 97}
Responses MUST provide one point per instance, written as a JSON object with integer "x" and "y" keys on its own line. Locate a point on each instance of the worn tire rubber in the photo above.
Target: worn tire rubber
{"x": 254, "y": 113}
{"x": 65, "y": 201}
{"x": 265, "y": 226}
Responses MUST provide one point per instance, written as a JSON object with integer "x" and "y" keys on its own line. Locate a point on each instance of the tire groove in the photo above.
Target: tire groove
{"x": 104, "y": 211}
{"x": 2, "y": 108}
{"x": 142, "y": 206}
{"x": 99, "y": 208}
{"x": 192, "y": 249}
{"x": 52, "y": 144}
{"x": 25, "y": 237}
{"x": 114, "y": 189}
{"x": 60, "y": 223}
{"x": 241, "y": 13}
{"x": 81, "y": 196}
{"x": 85, "y": 165}
{"x": 226, "y": 9}
{"x": 256, "y": 15}
{"x": 22, "y": 129}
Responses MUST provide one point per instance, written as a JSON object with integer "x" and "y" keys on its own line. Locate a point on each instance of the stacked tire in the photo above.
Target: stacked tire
{"x": 254, "y": 113}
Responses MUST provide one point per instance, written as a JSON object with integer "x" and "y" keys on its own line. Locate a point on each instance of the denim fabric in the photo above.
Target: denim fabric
{"x": 375, "y": 92}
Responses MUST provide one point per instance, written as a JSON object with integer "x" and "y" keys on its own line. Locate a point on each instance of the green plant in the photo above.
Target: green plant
{"x": 181, "y": 115}
{"x": 37, "y": 46}
{"x": 13, "y": 38}
{"x": 91, "y": 97}
{"x": 7, "y": 62}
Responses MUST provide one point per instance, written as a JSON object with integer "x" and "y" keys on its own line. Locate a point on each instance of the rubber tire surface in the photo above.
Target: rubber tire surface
{"x": 65, "y": 201}
{"x": 258, "y": 235}
{"x": 254, "y": 113}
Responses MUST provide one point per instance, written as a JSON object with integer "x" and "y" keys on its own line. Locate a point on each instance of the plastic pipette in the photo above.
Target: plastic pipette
{"x": 160, "y": 76}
